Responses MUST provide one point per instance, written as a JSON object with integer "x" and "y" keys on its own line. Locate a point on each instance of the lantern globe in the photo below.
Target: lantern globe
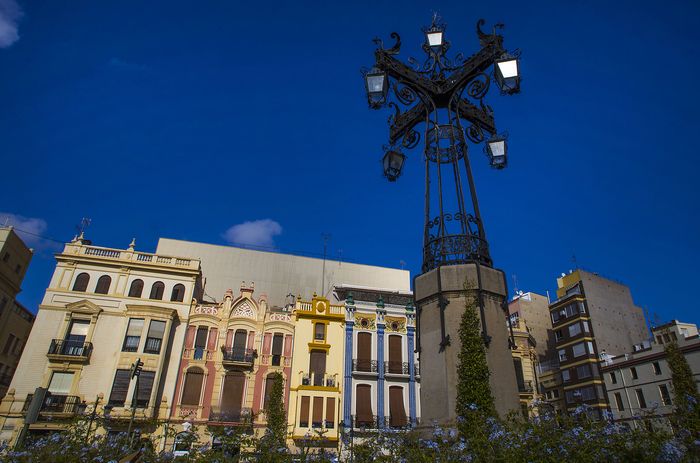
{"x": 377, "y": 86}
{"x": 507, "y": 74}
{"x": 497, "y": 151}
{"x": 434, "y": 37}
{"x": 392, "y": 164}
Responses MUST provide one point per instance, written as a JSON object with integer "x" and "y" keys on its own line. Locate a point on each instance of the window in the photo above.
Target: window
{"x": 580, "y": 395}
{"x": 232, "y": 394}
{"x": 363, "y": 406}
{"x": 586, "y": 327}
{"x": 640, "y": 398}
{"x": 317, "y": 366}
{"x": 317, "y": 415}
{"x": 613, "y": 378}
{"x": 555, "y": 316}
{"x": 591, "y": 351}
{"x": 194, "y": 378}
{"x": 120, "y": 387}
{"x": 559, "y": 335}
{"x": 269, "y": 382}
{"x": 178, "y": 293}
{"x": 136, "y": 288}
{"x": 633, "y": 372}
{"x": 397, "y": 411}
{"x": 562, "y": 355}
{"x": 154, "y": 339}
{"x": 319, "y": 332}
{"x": 665, "y": 395}
{"x": 200, "y": 342}
{"x": 657, "y": 368}
{"x": 81, "y": 282}
{"x": 8, "y": 344}
{"x": 555, "y": 393}
{"x": 61, "y": 383}
{"x": 103, "y": 284}
{"x": 667, "y": 338}
{"x": 565, "y": 375}
{"x": 277, "y": 340}
{"x": 574, "y": 329}
{"x": 395, "y": 356}
{"x": 579, "y": 349}
{"x": 304, "y": 412}
{"x": 75, "y": 338}
{"x": 584, "y": 371}
{"x": 618, "y": 401}
{"x": 364, "y": 351}
{"x": 143, "y": 397}
{"x": 157, "y": 291}
{"x": 658, "y": 339}
{"x": 330, "y": 412}
{"x": 133, "y": 335}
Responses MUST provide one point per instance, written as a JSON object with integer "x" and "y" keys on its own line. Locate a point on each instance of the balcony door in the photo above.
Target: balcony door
{"x": 239, "y": 345}
{"x": 364, "y": 351}
{"x": 395, "y": 355}
{"x": 317, "y": 366}
{"x": 363, "y": 407}
{"x": 232, "y": 396}
{"x": 397, "y": 412}
{"x": 75, "y": 339}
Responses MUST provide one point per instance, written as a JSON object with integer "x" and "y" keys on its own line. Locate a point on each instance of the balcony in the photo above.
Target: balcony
{"x": 56, "y": 404}
{"x": 364, "y": 421}
{"x": 397, "y": 421}
{"x": 63, "y": 350}
{"x": 240, "y": 416}
{"x": 392, "y": 367}
{"x": 238, "y": 357}
{"x": 312, "y": 379}
{"x": 526, "y": 387}
{"x": 152, "y": 346}
{"x": 417, "y": 369}
{"x": 364, "y": 366}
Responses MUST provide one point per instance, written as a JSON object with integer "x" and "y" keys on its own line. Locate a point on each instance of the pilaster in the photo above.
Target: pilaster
{"x": 381, "y": 324}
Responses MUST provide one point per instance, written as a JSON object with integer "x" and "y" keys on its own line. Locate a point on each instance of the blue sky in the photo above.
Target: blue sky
{"x": 184, "y": 119}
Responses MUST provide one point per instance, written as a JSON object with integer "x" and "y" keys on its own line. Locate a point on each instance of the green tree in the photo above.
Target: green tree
{"x": 276, "y": 432}
{"x": 685, "y": 391}
{"x": 474, "y": 399}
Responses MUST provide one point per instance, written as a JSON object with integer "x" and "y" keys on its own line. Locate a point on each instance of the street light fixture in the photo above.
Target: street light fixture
{"x": 497, "y": 151}
{"x": 377, "y": 86}
{"x": 434, "y": 37}
{"x": 393, "y": 164}
{"x": 507, "y": 73}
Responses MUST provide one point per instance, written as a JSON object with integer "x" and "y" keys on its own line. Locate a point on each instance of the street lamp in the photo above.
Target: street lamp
{"x": 377, "y": 86}
{"x": 393, "y": 164}
{"x": 497, "y": 150}
{"x": 434, "y": 37}
{"x": 507, "y": 73}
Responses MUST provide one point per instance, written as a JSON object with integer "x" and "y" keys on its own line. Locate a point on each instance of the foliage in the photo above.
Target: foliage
{"x": 685, "y": 394}
{"x": 474, "y": 399}
{"x": 276, "y": 432}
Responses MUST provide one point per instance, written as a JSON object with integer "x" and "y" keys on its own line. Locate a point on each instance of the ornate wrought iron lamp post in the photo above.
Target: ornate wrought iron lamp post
{"x": 447, "y": 97}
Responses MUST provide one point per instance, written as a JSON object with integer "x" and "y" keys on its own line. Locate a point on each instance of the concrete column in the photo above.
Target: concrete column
{"x": 440, "y": 343}
{"x": 411, "y": 376}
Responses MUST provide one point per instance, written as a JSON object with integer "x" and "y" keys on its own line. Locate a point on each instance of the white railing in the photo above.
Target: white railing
{"x": 130, "y": 255}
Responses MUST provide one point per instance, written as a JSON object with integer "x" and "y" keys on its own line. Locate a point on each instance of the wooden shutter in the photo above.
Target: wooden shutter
{"x": 239, "y": 340}
{"x": 330, "y": 412}
{"x": 317, "y": 365}
{"x": 395, "y": 357}
{"x": 269, "y": 381}
{"x": 103, "y": 284}
{"x": 120, "y": 387}
{"x": 146, "y": 379}
{"x": 397, "y": 412}
{"x": 363, "y": 407}
{"x": 193, "y": 387}
{"x": 232, "y": 397}
{"x": 304, "y": 412}
{"x": 364, "y": 351}
{"x": 317, "y": 420}
{"x": 201, "y": 339}
{"x": 277, "y": 344}
{"x": 81, "y": 282}
{"x": 213, "y": 332}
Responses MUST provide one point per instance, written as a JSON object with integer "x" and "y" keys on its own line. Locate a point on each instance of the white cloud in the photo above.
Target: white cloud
{"x": 29, "y": 229}
{"x": 254, "y": 233}
{"x": 10, "y": 13}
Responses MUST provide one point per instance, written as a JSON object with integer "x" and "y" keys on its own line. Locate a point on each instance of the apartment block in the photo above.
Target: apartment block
{"x": 638, "y": 382}
{"x": 592, "y": 316}
{"x": 104, "y": 309}
{"x": 15, "y": 320}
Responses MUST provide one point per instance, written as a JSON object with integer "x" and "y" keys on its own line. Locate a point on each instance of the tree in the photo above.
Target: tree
{"x": 276, "y": 432}
{"x": 474, "y": 399}
{"x": 685, "y": 391}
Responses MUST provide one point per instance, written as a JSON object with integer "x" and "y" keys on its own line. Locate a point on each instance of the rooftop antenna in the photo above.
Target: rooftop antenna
{"x": 515, "y": 283}
{"x": 573, "y": 259}
{"x": 402, "y": 263}
{"x": 84, "y": 224}
{"x": 326, "y": 237}
{"x": 7, "y": 220}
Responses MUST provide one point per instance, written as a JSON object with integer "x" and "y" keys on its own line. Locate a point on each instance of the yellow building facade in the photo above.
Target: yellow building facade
{"x": 315, "y": 406}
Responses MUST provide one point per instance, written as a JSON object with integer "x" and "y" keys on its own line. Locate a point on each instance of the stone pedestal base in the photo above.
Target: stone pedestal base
{"x": 439, "y": 368}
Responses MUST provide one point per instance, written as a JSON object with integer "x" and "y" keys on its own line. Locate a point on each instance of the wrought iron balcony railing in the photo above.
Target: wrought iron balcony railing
{"x": 364, "y": 366}
{"x": 365, "y": 421}
{"x": 526, "y": 387}
{"x": 396, "y": 368}
{"x": 239, "y": 355}
{"x": 417, "y": 369}
{"x": 70, "y": 348}
{"x": 242, "y": 415}
{"x": 312, "y": 379}
{"x": 397, "y": 421}
{"x": 56, "y": 403}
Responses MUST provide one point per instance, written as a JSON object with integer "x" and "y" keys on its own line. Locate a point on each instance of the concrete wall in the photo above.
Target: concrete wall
{"x": 276, "y": 274}
{"x": 533, "y": 308}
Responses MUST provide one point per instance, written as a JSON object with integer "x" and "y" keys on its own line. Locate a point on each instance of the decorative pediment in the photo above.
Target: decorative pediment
{"x": 244, "y": 309}
{"x": 84, "y": 307}
{"x": 148, "y": 310}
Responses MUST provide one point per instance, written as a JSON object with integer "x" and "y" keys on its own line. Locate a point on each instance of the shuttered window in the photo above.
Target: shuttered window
{"x": 232, "y": 399}
{"x": 103, "y": 284}
{"x": 61, "y": 383}
{"x": 154, "y": 339}
{"x": 81, "y": 282}
{"x": 146, "y": 379}
{"x": 397, "y": 412}
{"x": 133, "y": 335}
{"x": 269, "y": 381}
{"x": 317, "y": 365}
{"x": 395, "y": 357}
{"x": 317, "y": 419}
{"x": 364, "y": 351}
{"x": 120, "y": 387}
{"x": 330, "y": 412}
{"x": 136, "y": 288}
{"x": 277, "y": 349}
{"x": 194, "y": 379}
{"x": 364, "y": 405}
{"x": 304, "y": 412}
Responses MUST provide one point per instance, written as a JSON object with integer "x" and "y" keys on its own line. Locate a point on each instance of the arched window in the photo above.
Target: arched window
{"x": 81, "y": 282}
{"x": 178, "y": 293}
{"x": 136, "y": 288}
{"x": 157, "y": 290}
{"x": 320, "y": 332}
{"x": 103, "y": 284}
{"x": 194, "y": 378}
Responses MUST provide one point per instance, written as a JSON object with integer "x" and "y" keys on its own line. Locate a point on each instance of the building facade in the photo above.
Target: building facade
{"x": 315, "y": 401}
{"x": 231, "y": 350}
{"x": 15, "y": 320}
{"x": 591, "y": 316}
{"x": 381, "y": 371}
{"x": 104, "y": 309}
{"x": 638, "y": 383}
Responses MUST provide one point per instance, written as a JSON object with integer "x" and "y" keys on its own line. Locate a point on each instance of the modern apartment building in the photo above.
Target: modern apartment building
{"x": 592, "y": 316}
{"x": 104, "y": 309}
{"x": 15, "y": 320}
{"x": 315, "y": 401}
{"x": 638, "y": 382}
{"x": 231, "y": 349}
{"x": 382, "y": 375}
